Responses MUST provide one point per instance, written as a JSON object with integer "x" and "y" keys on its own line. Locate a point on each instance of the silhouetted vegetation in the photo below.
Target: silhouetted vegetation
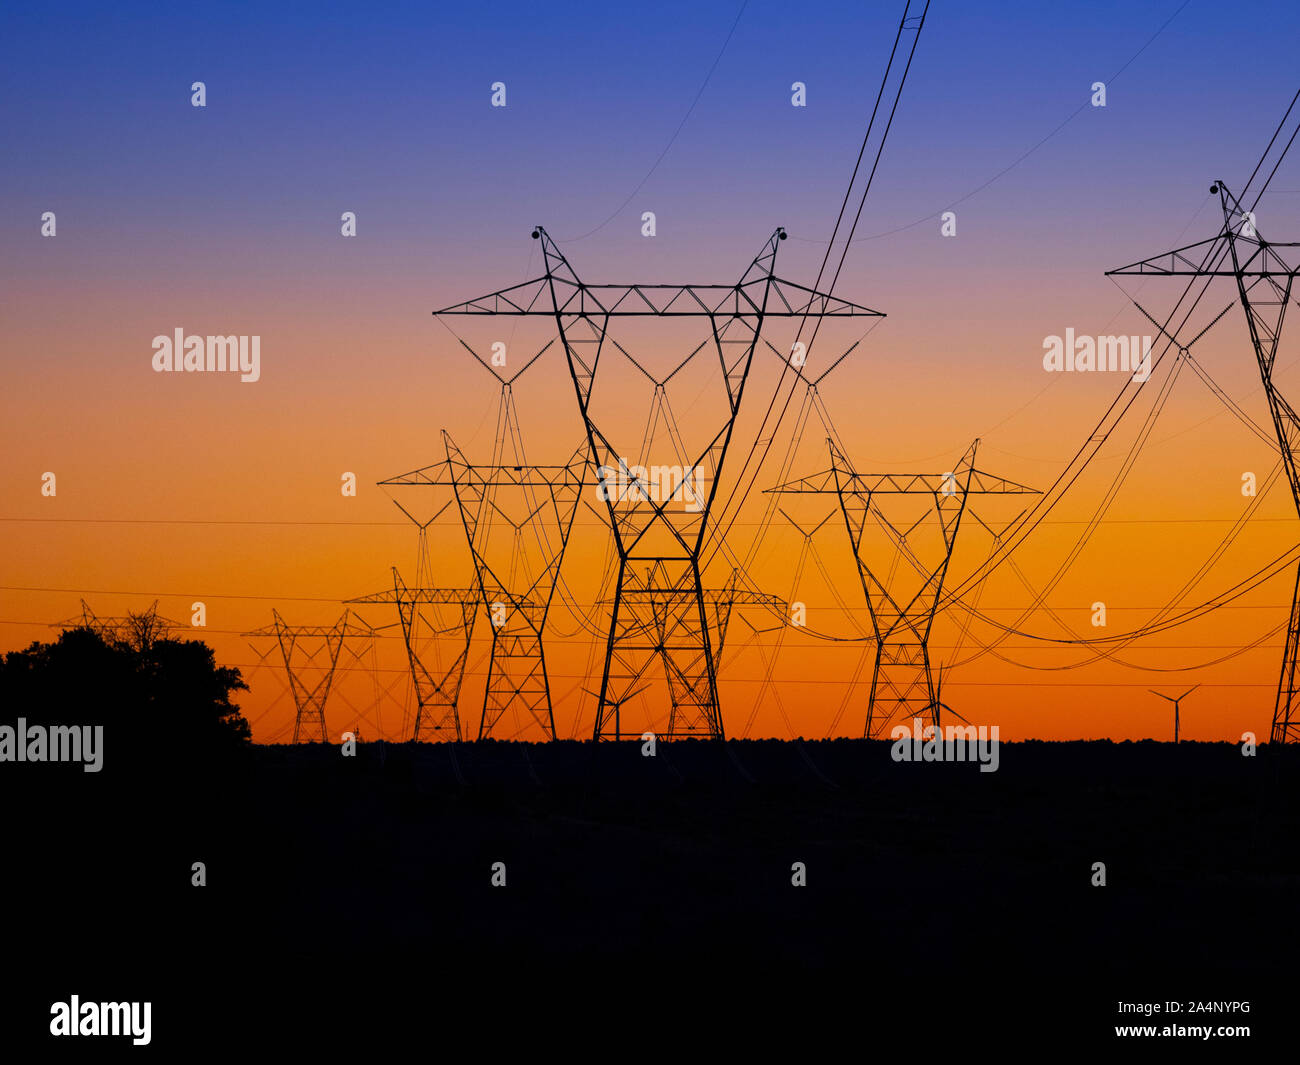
{"x": 150, "y": 692}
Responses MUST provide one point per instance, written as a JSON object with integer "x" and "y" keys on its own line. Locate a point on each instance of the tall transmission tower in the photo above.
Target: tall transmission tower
{"x": 430, "y": 618}
{"x": 1264, "y": 281}
{"x": 659, "y": 530}
{"x": 517, "y": 597}
{"x": 902, "y": 682}
{"x": 311, "y": 656}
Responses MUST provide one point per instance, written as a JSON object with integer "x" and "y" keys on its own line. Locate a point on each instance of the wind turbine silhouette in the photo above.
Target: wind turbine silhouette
{"x": 1175, "y": 699}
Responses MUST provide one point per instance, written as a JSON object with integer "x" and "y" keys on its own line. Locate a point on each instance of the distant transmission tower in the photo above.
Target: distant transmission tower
{"x": 517, "y": 598}
{"x": 311, "y": 656}
{"x": 902, "y": 683}
{"x": 437, "y": 681}
{"x": 140, "y": 629}
{"x": 1264, "y": 281}
{"x": 659, "y": 536}
{"x": 662, "y": 623}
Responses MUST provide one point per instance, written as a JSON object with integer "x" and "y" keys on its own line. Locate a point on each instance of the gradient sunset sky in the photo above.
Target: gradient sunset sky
{"x": 226, "y": 220}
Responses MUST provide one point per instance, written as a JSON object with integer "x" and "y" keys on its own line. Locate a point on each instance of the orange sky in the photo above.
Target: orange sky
{"x": 187, "y": 488}
{"x": 225, "y": 220}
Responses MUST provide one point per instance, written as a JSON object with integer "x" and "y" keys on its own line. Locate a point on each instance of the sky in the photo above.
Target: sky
{"x": 226, "y": 219}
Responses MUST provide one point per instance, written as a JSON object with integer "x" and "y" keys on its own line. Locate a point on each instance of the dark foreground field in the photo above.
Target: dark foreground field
{"x": 352, "y": 898}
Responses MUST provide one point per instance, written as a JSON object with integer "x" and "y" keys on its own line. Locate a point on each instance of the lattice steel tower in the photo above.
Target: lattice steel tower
{"x": 666, "y": 627}
{"x": 659, "y": 533}
{"x": 1264, "y": 281}
{"x": 311, "y": 656}
{"x": 431, "y": 617}
{"x": 902, "y": 682}
{"x": 516, "y": 598}
{"x": 140, "y": 629}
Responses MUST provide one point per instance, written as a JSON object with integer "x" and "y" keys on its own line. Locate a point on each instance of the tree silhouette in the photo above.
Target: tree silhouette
{"x": 151, "y": 693}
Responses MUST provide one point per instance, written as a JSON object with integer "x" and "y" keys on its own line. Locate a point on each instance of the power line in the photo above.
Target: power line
{"x": 1024, "y": 155}
{"x": 671, "y": 140}
{"x": 595, "y": 523}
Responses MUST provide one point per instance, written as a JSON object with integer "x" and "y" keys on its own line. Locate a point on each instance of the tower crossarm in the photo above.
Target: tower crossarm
{"x": 1265, "y": 261}
{"x": 825, "y": 483}
{"x": 296, "y": 631}
{"x": 711, "y": 596}
{"x": 786, "y": 299}
{"x": 435, "y": 596}
{"x": 442, "y": 474}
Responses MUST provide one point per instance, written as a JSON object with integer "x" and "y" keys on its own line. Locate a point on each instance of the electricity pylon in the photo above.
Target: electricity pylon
{"x": 1264, "y": 282}
{"x": 902, "y": 682}
{"x": 659, "y": 528}
{"x": 143, "y": 629}
{"x": 661, "y": 621}
{"x": 516, "y": 597}
{"x": 437, "y": 682}
{"x": 311, "y": 656}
